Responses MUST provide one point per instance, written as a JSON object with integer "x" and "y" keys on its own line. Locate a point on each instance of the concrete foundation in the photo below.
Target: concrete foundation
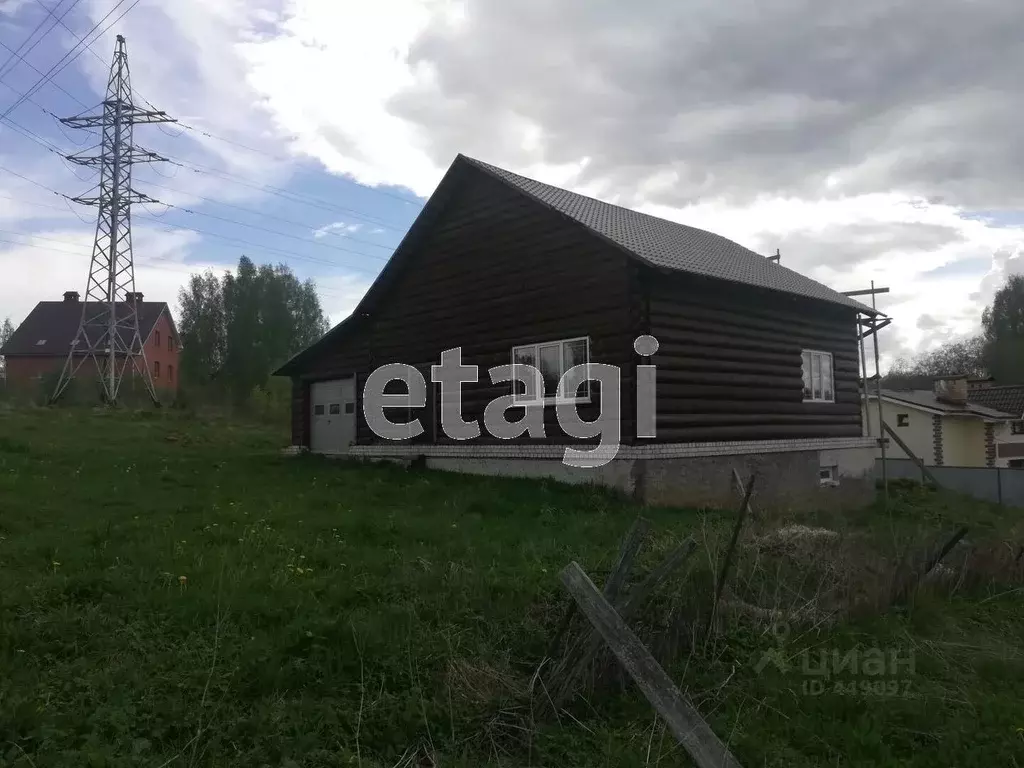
{"x": 680, "y": 475}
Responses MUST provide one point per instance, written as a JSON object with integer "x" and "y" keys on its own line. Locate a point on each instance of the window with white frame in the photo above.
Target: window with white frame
{"x": 817, "y": 372}
{"x": 553, "y": 359}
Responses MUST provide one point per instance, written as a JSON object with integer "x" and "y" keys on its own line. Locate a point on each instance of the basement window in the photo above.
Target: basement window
{"x": 553, "y": 359}
{"x": 816, "y": 367}
{"x": 1017, "y": 427}
{"x": 828, "y": 475}
{"x": 902, "y": 419}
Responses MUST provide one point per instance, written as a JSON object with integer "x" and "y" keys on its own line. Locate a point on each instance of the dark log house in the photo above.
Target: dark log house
{"x": 757, "y": 365}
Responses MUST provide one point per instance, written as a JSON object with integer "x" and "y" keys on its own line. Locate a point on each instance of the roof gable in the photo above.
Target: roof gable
{"x": 56, "y": 322}
{"x": 656, "y": 242}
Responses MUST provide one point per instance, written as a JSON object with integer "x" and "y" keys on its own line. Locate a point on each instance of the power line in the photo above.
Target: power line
{"x": 263, "y": 214}
{"x": 67, "y": 58}
{"x": 61, "y": 22}
{"x": 172, "y": 228}
{"x": 274, "y": 231}
{"x": 29, "y": 64}
{"x": 249, "y": 244}
{"x": 184, "y": 268}
{"x": 7, "y": 61}
{"x": 45, "y": 144}
{"x": 32, "y": 181}
{"x": 280, "y": 159}
{"x": 285, "y": 194}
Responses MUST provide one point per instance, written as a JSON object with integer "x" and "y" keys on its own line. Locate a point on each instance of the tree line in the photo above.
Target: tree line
{"x": 996, "y": 351}
{"x": 235, "y": 329}
{"x": 6, "y": 331}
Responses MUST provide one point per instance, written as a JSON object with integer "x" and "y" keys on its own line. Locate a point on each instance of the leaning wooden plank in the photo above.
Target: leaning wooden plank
{"x": 682, "y": 718}
{"x": 627, "y": 554}
{"x": 742, "y": 489}
{"x": 586, "y": 651}
{"x": 911, "y": 584}
{"x": 913, "y": 457}
{"x": 741, "y": 515}
{"x": 616, "y": 580}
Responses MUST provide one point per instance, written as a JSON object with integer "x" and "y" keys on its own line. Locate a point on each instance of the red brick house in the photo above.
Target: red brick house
{"x": 39, "y": 346}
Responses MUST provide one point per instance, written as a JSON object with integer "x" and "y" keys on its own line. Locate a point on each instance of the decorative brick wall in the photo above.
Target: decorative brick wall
{"x": 990, "y": 444}
{"x": 937, "y": 439}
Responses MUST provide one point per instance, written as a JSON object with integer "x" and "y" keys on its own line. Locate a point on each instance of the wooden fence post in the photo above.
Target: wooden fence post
{"x": 682, "y": 718}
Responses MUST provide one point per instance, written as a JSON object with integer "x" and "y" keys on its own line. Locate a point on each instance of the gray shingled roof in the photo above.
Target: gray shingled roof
{"x": 1008, "y": 398}
{"x": 669, "y": 245}
{"x": 926, "y": 398}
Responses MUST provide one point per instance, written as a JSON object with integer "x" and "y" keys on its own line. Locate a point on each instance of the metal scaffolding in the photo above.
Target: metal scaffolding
{"x": 870, "y": 325}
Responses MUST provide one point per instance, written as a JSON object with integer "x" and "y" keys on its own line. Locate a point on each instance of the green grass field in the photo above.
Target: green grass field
{"x": 173, "y": 592}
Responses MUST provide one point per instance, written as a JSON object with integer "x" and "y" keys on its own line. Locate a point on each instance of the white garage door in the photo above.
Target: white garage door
{"x": 333, "y": 422}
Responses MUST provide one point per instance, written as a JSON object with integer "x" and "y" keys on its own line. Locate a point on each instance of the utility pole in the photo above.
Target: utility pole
{"x": 108, "y": 332}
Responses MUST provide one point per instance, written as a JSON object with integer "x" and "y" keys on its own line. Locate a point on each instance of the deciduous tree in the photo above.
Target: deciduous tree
{"x": 237, "y": 329}
{"x": 1003, "y": 322}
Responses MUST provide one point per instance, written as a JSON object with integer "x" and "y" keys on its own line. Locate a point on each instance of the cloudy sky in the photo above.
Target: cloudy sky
{"x": 865, "y": 141}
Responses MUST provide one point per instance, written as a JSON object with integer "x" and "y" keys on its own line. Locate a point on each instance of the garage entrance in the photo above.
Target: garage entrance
{"x": 333, "y": 421}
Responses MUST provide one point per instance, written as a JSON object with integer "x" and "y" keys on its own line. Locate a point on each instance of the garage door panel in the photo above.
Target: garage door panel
{"x": 333, "y": 418}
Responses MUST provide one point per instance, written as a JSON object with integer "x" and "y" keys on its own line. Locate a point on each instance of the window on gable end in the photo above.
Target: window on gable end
{"x": 818, "y": 375}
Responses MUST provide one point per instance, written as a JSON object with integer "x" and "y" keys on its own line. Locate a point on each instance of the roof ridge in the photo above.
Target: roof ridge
{"x": 623, "y": 208}
{"x": 669, "y": 244}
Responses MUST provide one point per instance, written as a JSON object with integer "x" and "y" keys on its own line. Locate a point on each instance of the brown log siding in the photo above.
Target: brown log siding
{"x": 729, "y": 365}
{"x": 497, "y": 271}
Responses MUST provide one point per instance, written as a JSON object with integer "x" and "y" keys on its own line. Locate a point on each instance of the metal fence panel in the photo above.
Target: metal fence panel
{"x": 1005, "y": 486}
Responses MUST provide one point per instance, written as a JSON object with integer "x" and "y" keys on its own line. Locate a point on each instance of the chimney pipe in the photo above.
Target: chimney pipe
{"x": 951, "y": 389}
{"x": 71, "y": 296}
{"x": 133, "y": 298}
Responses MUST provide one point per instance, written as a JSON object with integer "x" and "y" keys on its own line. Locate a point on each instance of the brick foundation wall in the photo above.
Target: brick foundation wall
{"x": 990, "y": 445}
{"x": 690, "y": 475}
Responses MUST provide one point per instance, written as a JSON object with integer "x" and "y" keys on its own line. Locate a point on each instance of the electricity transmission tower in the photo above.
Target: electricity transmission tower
{"x": 108, "y": 333}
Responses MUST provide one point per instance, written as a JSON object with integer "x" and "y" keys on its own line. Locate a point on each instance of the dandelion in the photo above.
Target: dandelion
{"x": 183, "y": 581}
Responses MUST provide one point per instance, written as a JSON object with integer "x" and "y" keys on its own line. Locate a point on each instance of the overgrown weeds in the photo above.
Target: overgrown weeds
{"x": 172, "y": 590}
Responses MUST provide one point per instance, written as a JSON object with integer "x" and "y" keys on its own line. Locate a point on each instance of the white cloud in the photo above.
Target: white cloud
{"x": 11, "y": 7}
{"x": 338, "y": 226}
{"x": 50, "y": 262}
{"x": 321, "y": 81}
{"x": 339, "y": 295}
{"x": 361, "y": 50}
